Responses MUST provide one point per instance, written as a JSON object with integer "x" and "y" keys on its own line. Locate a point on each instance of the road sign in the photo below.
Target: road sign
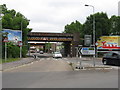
{"x": 20, "y": 43}
{"x": 5, "y": 40}
{"x": 87, "y": 40}
{"x": 88, "y": 51}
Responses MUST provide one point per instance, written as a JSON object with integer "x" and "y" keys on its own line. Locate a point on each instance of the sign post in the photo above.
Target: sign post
{"x": 20, "y": 45}
{"x": 89, "y": 51}
{"x": 5, "y": 40}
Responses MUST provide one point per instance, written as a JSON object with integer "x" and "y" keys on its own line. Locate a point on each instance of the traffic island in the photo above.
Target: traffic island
{"x": 85, "y": 66}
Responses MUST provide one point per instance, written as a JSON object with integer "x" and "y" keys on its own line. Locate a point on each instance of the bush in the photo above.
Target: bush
{"x": 24, "y": 51}
{"x": 13, "y": 51}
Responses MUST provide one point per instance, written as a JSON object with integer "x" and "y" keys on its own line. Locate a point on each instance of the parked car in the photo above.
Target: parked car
{"x": 41, "y": 52}
{"x": 57, "y": 55}
{"x": 111, "y": 58}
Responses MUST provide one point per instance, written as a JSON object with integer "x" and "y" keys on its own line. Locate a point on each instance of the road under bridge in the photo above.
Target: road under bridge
{"x": 70, "y": 40}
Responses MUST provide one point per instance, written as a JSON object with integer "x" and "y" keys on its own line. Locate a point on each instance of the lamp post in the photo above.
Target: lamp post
{"x": 21, "y": 40}
{"x": 0, "y": 32}
{"x": 93, "y": 32}
{"x": 93, "y": 25}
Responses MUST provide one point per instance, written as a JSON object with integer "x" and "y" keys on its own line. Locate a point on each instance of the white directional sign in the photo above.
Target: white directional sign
{"x": 88, "y": 51}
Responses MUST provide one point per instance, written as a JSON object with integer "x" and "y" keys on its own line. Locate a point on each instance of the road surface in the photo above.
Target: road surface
{"x": 50, "y": 73}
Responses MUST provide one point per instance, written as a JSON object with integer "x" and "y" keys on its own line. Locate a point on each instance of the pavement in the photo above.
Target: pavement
{"x": 14, "y": 64}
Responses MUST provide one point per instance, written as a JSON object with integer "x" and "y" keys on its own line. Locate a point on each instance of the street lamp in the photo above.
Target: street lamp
{"x": 21, "y": 40}
{"x": 93, "y": 25}
{"x": 93, "y": 32}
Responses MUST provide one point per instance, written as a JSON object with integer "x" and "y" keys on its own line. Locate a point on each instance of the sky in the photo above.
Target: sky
{"x": 53, "y": 15}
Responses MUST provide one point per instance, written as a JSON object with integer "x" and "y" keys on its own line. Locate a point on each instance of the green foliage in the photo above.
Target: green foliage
{"x": 102, "y": 25}
{"x": 4, "y": 8}
{"x": 47, "y": 47}
{"x": 13, "y": 51}
{"x": 73, "y": 27}
{"x": 9, "y": 60}
{"x": 115, "y": 25}
{"x": 24, "y": 51}
{"x": 15, "y": 21}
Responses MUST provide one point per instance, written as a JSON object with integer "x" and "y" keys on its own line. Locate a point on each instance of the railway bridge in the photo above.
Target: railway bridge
{"x": 70, "y": 40}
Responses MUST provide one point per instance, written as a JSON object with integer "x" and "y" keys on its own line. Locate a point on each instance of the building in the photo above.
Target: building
{"x": 119, "y": 8}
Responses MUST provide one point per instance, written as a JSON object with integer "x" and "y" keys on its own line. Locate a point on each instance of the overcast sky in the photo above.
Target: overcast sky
{"x": 53, "y": 15}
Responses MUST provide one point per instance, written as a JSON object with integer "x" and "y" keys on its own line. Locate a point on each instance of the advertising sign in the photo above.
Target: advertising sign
{"x": 5, "y": 40}
{"x": 108, "y": 42}
{"x": 13, "y": 35}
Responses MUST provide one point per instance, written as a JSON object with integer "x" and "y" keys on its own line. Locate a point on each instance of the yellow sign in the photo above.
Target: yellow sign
{"x": 108, "y": 42}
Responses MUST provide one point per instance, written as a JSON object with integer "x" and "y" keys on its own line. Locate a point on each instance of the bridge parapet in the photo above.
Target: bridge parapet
{"x": 57, "y": 37}
{"x": 50, "y": 34}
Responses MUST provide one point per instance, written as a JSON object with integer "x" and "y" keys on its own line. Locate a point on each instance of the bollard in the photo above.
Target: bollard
{"x": 79, "y": 65}
{"x": 35, "y": 56}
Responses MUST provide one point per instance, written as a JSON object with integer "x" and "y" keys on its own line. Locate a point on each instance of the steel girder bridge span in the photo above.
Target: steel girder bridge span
{"x": 70, "y": 40}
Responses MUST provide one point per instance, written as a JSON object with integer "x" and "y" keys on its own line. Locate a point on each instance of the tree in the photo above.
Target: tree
{"x": 102, "y": 25}
{"x": 47, "y": 47}
{"x": 115, "y": 25}
{"x": 73, "y": 27}
{"x": 15, "y": 21}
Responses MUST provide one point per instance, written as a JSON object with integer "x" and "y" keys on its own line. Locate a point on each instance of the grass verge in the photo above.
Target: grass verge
{"x": 8, "y": 60}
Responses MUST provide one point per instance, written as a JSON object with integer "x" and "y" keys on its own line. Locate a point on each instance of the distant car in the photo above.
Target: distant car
{"x": 111, "y": 58}
{"x": 57, "y": 55}
{"x": 32, "y": 51}
{"x": 41, "y": 52}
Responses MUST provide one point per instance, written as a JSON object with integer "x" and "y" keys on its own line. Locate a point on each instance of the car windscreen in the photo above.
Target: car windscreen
{"x": 57, "y": 52}
{"x": 116, "y": 55}
{"x": 108, "y": 54}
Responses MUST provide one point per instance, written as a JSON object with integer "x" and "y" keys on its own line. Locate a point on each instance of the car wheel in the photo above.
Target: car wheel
{"x": 105, "y": 62}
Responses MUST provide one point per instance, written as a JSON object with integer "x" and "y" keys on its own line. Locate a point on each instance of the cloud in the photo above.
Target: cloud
{"x": 46, "y": 27}
{"x": 53, "y": 15}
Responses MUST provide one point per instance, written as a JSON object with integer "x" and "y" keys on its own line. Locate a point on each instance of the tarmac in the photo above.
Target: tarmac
{"x": 61, "y": 65}
{"x": 42, "y": 65}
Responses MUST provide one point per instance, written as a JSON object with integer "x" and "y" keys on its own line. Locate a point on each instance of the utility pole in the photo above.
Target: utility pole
{"x": 93, "y": 32}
